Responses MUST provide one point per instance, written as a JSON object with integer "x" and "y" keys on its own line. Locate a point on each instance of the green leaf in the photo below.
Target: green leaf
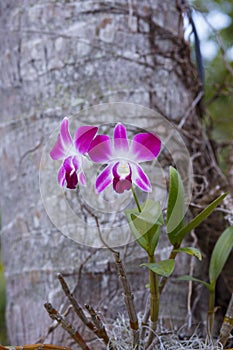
{"x": 220, "y": 253}
{"x": 145, "y": 226}
{"x": 191, "y": 278}
{"x": 191, "y": 251}
{"x": 179, "y": 236}
{"x": 175, "y": 207}
{"x": 163, "y": 268}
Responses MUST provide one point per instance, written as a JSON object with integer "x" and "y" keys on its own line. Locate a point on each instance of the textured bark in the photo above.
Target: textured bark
{"x": 58, "y": 57}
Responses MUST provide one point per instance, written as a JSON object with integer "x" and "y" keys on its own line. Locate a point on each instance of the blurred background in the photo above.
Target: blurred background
{"x": 214, "y": 24}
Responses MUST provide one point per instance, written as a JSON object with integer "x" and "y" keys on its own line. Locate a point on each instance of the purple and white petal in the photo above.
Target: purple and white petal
{"x": 145, "y": 146}
{"x": 100, "y": 150}
{"x": 58, "y": 151}
{"x": 120, "y": 138}
{"x": 104, "y": 179}
{"x": 82, "y": 178}
{"x": 61, "y": 176}
{"x": 83, "y": 138}
{"x": 65, "y": 134}
{"x": 64, "y": 142}
{"x": 71, "y": 164}
{"x": 141, "y": 179}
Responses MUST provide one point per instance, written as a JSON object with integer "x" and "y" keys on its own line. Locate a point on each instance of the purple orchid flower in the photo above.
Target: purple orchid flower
{"x": 123, "y": 157}
{"x": 72, "y": 152}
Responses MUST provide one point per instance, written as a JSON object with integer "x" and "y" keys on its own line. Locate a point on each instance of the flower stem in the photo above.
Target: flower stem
{"x": 136, "y": 199}
{"x": 154, "y": 301}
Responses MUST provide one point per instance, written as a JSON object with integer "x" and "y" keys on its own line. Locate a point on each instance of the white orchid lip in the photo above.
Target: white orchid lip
{"x": 123, "y": 169}
{"x": 122, "y": 157}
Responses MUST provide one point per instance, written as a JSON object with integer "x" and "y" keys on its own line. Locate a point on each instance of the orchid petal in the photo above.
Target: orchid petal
{"x": 104, "y": 179}
{"x": 82, "y": 178}
{"x": 100, "y": 150}
{"x": 120, "y": 138}
{"x": 64, "y": 141}
{"x": 58, "y": 151}
{"x": 83, "y": 138}
{"x": 71, "y": 164}
{"x": 61, "y": 177}
{"x": 145, "y": 146}
{"x": 141, "y": 179}
{"x": 65, "y": 134}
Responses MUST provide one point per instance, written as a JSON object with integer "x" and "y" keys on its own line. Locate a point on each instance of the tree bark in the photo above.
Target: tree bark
{"x": 57, "y": 58}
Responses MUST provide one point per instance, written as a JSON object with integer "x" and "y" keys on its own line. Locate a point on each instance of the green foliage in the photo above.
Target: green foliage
{"x": 179, "y": 236}
{"x": 175, "y": 210}
{"x": 191, "y": 278}
{"x": 145, "y": 222}
{"x": 145, "y": 225}
{"x": 218, "y": 87}
{"x": 220, "y": 254}
{"x": 190, "y": 251}
{"x": 162, "y": 268}
{"x": 175, "y": 207}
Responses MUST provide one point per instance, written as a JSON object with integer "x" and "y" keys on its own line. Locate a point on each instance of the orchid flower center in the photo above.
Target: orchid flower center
{"x": 123, "y": 169}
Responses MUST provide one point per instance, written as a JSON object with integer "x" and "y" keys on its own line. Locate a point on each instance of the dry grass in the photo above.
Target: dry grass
{"x": 120, "y": 334}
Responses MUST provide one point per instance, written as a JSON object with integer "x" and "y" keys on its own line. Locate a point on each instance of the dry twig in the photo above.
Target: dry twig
{"x": 97, "y": 327}
{"x": 55, "y": 315}
{"x": 128, "y": 295}
{"x": 227, "y": 325}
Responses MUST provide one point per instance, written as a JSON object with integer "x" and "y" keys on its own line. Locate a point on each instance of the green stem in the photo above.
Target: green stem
{"x": 154, "y": 301}
{"x": 210, "y": 318}
{"x": 136, "y": 199}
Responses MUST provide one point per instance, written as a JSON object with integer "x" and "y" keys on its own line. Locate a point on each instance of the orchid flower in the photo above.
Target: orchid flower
{"x": 122, "y": 157}
{"x": 72, "y": 152}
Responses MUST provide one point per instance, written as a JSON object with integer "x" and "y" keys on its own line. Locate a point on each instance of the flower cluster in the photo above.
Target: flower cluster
{"x": 120, "y": 156}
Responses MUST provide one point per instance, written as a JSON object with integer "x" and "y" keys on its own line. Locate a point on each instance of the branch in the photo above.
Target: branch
{"x": 55, "y": 315}
{"x": 52, "y": 327}
{"x": 97, "y": 327}
{"x": 227, "y": 325}
{"x": 128, "y": 295}
{"x": 128, "y": 299}
{"x": 77, "y": 308}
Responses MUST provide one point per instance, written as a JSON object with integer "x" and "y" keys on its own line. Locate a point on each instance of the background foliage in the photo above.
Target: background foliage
{"x": 218, "y": 88}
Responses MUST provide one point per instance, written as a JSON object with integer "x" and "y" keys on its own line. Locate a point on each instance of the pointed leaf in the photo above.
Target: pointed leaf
{"x": 145, "y": 226}
{"x": 175, "y": 207}
{"x": 220, "y": 254}
{"x": 163, "y": 268}
{"x": 179, "y": 236}
{"x": 191, "y": 278}
{"x": 191, "y": 251}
